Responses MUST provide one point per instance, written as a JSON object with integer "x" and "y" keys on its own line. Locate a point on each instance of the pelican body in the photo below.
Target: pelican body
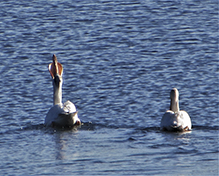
{"x": 60, "y": 115}
{"x": 174, "y": 119}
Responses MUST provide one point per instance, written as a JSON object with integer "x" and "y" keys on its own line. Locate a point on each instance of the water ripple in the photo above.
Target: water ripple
{"x": 120, "y": 61}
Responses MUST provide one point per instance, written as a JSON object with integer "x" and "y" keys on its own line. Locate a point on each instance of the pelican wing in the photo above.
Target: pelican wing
{"x": 69, "y": 107}
{"x": 175, "y": 121}
{"x": 185, "y": 120}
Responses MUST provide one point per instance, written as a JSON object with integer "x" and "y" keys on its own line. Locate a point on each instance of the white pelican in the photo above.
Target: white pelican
{"x": 60, "y": 115}
{"x": 174, "y": 119}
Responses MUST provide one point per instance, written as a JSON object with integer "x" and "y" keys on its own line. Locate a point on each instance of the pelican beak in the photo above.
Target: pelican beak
{"x": 55, "y": 68}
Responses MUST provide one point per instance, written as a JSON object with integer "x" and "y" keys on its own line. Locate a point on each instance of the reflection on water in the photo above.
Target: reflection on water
{"x": 60, "y": 147}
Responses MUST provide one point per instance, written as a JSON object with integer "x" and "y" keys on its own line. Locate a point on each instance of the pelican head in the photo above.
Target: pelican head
{"x": 56, "y": 70}
{"x": 174, "y": 94}
{"x": 174, "y": 97}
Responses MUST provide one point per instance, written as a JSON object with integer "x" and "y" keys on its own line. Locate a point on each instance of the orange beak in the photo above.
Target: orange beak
{"x": 55, "y": 68}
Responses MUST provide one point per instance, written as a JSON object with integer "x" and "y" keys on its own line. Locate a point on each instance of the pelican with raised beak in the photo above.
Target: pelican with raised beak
{"x": 60, "y": 115}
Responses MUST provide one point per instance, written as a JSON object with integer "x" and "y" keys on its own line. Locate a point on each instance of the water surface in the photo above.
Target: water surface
{"x": 120, "y": 59}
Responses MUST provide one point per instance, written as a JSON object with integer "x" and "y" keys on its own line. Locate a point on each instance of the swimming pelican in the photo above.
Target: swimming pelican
{"x": 60, "y": 115}
{"x": 174, "y": 119}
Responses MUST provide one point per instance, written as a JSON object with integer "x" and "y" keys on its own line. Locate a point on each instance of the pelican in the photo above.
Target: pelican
{"x": 60, "y": 115}
{"x": 174, "y": 119}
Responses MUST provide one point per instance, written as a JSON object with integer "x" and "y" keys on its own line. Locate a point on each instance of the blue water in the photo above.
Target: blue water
{"x": 120, "y": 59}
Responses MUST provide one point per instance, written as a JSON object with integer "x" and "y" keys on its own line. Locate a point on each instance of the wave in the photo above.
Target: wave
{"x": 89, "y": 126}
